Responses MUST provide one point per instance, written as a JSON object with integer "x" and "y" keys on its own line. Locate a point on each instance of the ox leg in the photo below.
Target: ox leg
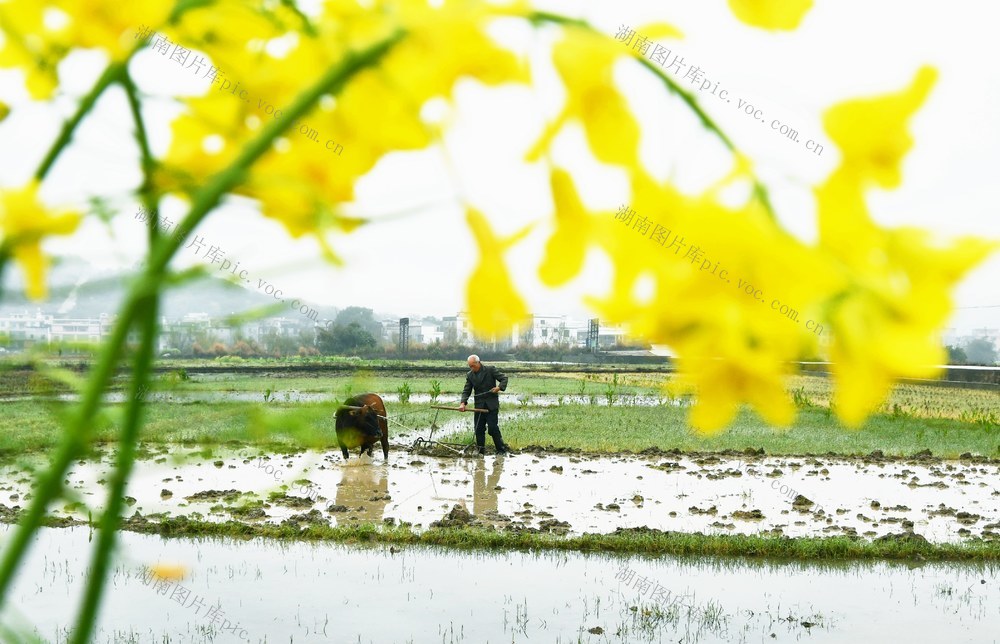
{"x": 343, "y": 449}
{"x": 385, "y": 445}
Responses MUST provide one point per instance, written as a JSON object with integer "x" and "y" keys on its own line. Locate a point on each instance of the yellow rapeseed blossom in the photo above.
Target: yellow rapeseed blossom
{"x": 110, "y": 25}
{"x": 169, "y": 572}
{"x": 38, "y": 35}
{"x": 771, "y": 14}
{"x": 494, "y": 304}
{"x": 886, "y": 320}
{"x": 308, "y": 174}
{"x": 871, "y": 133}
{"x": 698, "y": 258}
{"x": 585, "y": 63}
{"x": 30, "y": 46}
{"x": 24, "y": 223}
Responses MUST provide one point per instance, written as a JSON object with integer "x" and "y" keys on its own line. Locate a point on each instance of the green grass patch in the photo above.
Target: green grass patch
{"x": 637, "y": 541}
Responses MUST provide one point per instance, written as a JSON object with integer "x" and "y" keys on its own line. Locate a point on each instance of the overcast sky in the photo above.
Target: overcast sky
{"x": 844, "y": 48}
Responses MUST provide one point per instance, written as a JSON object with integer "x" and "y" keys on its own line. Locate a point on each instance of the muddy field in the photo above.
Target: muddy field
{"x": 563, "y": 493}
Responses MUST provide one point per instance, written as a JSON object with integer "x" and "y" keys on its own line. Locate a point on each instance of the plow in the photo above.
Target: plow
{"x": 457, "y": 448}
{"x": 421, "y": 442}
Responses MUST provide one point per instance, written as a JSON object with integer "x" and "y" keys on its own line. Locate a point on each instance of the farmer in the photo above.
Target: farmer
{"x": 484, "y": 379}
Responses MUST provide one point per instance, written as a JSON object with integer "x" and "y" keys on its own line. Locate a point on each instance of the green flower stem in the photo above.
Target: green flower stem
{"x": 50, "y": 483}
{"x": 146, "y": 192}
{"x": 111, "y": 518}
{"x": 78, "y": 431}
{"x": 112, "y": 73}
{"x": 760, "y": 191}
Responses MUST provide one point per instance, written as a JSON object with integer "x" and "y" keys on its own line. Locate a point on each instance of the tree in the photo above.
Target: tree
{"x": 344, "y": 339}
{"x": 956, "y": 355}
{"x": 981, "y": 351}
{"x": 365, "y": 318}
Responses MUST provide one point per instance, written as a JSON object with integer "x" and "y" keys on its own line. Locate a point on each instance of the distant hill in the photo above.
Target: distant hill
{"x": 77, "y": 289}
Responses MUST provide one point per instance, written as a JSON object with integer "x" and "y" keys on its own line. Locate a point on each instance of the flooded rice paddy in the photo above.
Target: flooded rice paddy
{"x": 940, "y": 501}
{"x": 270, "y": 591}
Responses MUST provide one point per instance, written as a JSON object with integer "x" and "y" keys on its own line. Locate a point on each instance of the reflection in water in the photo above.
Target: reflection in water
{"x": 484, "y": 493}
{"x": 364, "y": 485}
{"x": 290, "y": 591}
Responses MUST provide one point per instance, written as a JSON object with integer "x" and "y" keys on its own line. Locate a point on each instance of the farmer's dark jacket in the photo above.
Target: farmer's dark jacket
{"x": 487, "y": 378}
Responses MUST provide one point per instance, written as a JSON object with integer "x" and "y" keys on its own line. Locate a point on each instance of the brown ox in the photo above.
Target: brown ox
{"x": 361, "y": 422}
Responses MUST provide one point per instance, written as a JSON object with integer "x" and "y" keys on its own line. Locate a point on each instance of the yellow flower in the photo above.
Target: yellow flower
{"x": 733, "y": 346}
{"x": 771, "y": 14}
{"x": 110, "y": 25}
{"x": 306, "y": 176}
{"x": 887, "y": 322}
{"x": 38, "y": 35}
{"x": 886, "y": 319}
{"x": 4, "y": 110}
{"x": 494, "y": 304}
{"x": 24, "y": 222}
{"x": 585, "y": 63}
{"x": 871, "y": 132}
{"x": 30, "y": 46}
{"x": 168, "y": 572}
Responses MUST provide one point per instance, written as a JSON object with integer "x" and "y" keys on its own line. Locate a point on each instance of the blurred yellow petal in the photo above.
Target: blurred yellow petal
{"x": 565, "y": 250}
{"x": 585, "y": 65}
{"x": 4, "y": 110}
{"x": 24, "y": 223}
{"x": 35, "y": 265}
{"x": 771, "y": 14}
{"x": 658, "y": 30}
{"x": 872, "y": 133}
{"x": 494, "y": 304}
{"x": 169, "y": 572}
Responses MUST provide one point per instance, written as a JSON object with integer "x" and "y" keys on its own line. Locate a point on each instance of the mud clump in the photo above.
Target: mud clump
{"x": 9, "y": 515}
{"x": 291, "y": 501}
{"x": 903, "y": 537}
{"x": 696, "y": 510}
{"x": 967, "y": 518}
{"x": 313, "y": 517}
{"x": 248, "y": 513}
{"x": 457, "y": 517}
{"x": 554, "y": 526}
{"x": 214, "y": 495}
{"x": 752, "y": 515}
{"x": 668, "y": 466}
{"x": 801, "y": 503}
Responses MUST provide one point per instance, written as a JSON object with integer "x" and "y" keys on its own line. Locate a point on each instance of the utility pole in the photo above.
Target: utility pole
{"x": 404, "y": 335}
